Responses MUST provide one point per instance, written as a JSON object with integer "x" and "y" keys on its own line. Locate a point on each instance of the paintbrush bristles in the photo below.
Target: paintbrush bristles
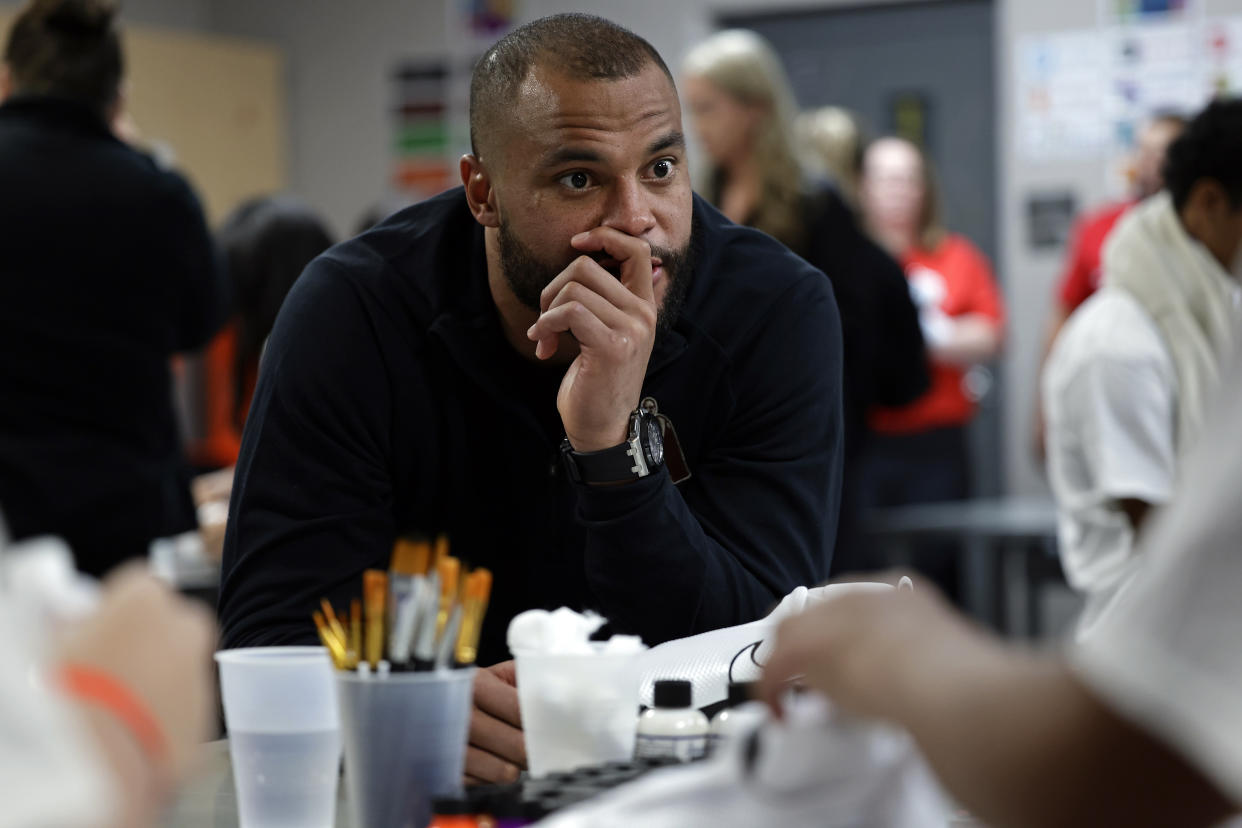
{"x": 426, "y": 609}
{"x": 479, "y": 584}
{"x": 374, "y": 594}
{"x": 441, "y": 551}
{"x": 336, "y": 648}
{"x": 410, "y": 557}
{"x": 478, "y": 589}
{"x": 420, "y": 559}
{"x": 374, "y": 587}
{"x": 450, "y": 570}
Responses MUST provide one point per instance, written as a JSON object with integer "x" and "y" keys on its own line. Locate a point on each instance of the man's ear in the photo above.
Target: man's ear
{"x": 1208, "y": 195}
{"x": 6, "y": 81}
{"x": 480, "y": 193}
{"x": 1204, "y": 202}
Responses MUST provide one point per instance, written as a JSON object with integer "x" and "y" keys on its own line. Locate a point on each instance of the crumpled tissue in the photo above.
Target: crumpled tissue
{"x": 579, "y": 698}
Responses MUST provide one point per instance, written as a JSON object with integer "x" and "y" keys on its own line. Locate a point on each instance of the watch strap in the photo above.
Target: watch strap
{"x": 611, "y": 465}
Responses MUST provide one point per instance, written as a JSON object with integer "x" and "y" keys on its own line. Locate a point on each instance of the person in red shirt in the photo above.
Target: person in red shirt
{"x": 1082, "y": 268}
{"x": 919, "y": 453}
{"x": 1081, "y": 277}
{"x": 267, "y": 242}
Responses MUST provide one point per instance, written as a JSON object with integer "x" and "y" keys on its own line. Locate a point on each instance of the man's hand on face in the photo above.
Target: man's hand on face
{"x": 614, "y": 323}
{"x": 497, "y": 749}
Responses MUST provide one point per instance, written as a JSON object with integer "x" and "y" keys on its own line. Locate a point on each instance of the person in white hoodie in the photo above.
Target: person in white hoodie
{"x": 1128, "y": 377}
{"x": 1139, "y": 724}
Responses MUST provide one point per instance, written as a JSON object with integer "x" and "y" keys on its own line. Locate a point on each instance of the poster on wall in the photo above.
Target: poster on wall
{"x": 420, "y": 138}
{"x": 1130, "y": 11}
{"x": 1086, "y": 94}
{"x": 473, "y": 26}
{"x": 1221, "y": 44}
{"x": 1157, "y": 69}
{"x": 430, "y": 99}
{"x": 1050, "y": 219}
{"x": 489, "y": 18}
{"x": 1062, "y": 80}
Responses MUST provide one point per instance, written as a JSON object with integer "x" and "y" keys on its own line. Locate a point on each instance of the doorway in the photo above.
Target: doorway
{"x": 925, "y": 70}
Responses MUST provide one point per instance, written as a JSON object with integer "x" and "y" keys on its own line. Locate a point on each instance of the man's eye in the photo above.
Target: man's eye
{"x": 662, "y": 168}
{"x": 576, "y": 180}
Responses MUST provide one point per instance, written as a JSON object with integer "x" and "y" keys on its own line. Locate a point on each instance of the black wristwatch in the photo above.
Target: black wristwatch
{"x": 641, "y": 454}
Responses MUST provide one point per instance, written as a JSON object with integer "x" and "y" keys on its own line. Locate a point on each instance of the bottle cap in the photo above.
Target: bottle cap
{"x": 451, "y": 806}
{"x": 514, "y": 808}
{"x": 740, "y": 692}
{"x": 505, "y": 806}
{"x": 673, "y": 693}
{"x": 481, "y": 796}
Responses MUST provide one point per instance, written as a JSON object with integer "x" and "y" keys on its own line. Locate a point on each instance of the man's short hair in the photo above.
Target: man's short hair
{"x": 582, "y": 46}
{"x": 67, "y": 48}
{"x": 1210, "y": 147}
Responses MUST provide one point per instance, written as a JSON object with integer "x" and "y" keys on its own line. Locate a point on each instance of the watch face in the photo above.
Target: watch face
{"x": 655, "y": 442}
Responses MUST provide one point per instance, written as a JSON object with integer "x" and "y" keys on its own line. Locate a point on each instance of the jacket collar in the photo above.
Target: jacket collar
{"x": 57, "y": 111}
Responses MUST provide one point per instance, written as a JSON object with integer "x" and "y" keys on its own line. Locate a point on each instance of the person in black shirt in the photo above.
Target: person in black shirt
{"x": 106, "y": 270}
{"x": 474, "y": 364}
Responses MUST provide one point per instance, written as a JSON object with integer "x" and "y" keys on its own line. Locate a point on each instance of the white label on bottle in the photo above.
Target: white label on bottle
{"x": 682, "y": 748}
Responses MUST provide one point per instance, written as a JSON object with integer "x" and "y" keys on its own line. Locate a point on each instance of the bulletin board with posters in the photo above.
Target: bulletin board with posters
{"x": 1084, "y": 94}
{"x": 212, "y": 107}
{"x": 431, "y": 99}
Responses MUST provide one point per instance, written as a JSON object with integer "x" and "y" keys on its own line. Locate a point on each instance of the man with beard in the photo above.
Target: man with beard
{"x": 475, "y": 365}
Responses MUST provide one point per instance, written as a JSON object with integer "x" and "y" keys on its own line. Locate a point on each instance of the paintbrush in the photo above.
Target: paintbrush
{"x": 334, "y": 646}
{"x": 423, "y": 656}
{"x": 355, "y": 634}
{"x": 450, "y": 573}
{"x": 334, "y": 623}
{"x": 406, "y": 583}
{"x": 477, "y": 593}
{"x": 374, "y": 593}
{"x": 447, "y": 641}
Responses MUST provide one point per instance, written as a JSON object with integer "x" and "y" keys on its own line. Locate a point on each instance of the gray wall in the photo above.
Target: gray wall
{"x": 174, "y": 14}
{"x": 339, "y": 57}
{"x": 194, "y": 15}
{"x": 1031, "y": 277}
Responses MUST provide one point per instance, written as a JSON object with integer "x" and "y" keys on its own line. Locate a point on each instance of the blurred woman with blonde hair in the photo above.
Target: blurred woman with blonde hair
{"x": 743, "y": 112}
{"x": 830, "y": 139}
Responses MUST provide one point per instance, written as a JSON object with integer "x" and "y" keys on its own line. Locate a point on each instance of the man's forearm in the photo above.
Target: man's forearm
{"x": 657, "y": 572}
{"x": 973, "y": 339}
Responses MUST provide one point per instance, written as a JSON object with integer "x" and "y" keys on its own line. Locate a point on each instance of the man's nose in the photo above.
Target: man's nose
{"x": 630, "y": 209}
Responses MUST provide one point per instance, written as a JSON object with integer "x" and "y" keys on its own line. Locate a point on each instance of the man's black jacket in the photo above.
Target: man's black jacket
{"x": 390, "y": 403}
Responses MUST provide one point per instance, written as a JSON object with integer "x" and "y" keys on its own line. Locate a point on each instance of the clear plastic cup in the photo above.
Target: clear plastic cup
{"x": 405, "y": 743}
{"x": 577, "y": 710}
{"x": 284, "y": 735}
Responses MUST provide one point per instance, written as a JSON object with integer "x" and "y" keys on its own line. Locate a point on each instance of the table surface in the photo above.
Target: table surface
{"x": 209, "y": 801}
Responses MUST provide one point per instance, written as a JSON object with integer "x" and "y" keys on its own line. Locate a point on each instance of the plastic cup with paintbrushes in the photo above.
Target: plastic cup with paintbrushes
{"x": 405, "y": 732}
